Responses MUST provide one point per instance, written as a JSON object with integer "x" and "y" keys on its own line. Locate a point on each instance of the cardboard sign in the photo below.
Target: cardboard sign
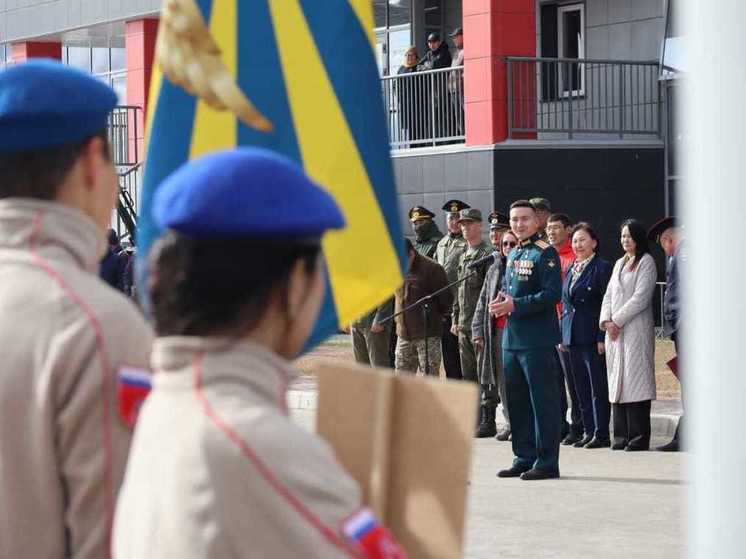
{"x": 407, "y": 441}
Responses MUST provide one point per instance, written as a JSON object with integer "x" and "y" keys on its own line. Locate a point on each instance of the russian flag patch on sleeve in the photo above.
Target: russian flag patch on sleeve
{"x": 371, "y": 537}
{"x": 133, "y": 386}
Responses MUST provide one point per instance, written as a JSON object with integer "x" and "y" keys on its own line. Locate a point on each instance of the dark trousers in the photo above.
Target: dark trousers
{"x": 451, "y": 355}
{"x": 632, "y": 424}
{"x": 679, "y": 426}
{"x": 531, "y": 386}
{"x": 589, "y": 375}
{"x": 564, "y": 374}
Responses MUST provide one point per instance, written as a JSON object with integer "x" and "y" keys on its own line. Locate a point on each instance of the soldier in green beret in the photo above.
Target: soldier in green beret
{"x": 426, "y": 232}
{"x": 533, "y": 288}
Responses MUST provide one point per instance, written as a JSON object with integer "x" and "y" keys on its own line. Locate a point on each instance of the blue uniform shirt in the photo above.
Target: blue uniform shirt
{"x": 532, "y": 278}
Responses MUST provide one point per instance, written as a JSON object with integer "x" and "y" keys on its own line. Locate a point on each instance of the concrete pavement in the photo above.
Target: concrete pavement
{"x": 607, "y": 504}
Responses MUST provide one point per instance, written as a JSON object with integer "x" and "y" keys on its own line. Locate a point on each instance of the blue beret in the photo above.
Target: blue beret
{"x": 249, "y": 193}
{"x": 44, "y": 104}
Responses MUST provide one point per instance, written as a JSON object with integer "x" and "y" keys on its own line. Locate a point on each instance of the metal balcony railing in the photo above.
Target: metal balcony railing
{"x": 122, "y": 128}
{"x": 573, "y": 97}
{"x": 425, "y": 108}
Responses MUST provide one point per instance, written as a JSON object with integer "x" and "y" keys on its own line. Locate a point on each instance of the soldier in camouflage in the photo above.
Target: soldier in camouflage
{"x": 468, "y": 295}
{"x": 371, "y": 338}
{"x": 448, "y": 254}
{"x": 426, "y": 232}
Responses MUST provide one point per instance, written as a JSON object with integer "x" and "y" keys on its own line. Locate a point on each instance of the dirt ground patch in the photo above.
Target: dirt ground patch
{"x": 339, "y": 348}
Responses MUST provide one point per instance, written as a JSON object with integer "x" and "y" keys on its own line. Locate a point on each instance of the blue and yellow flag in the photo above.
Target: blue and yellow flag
{"x": 298, "y": 77}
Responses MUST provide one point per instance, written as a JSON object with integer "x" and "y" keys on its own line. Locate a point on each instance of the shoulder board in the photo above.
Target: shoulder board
{"x": 543, "y": 245}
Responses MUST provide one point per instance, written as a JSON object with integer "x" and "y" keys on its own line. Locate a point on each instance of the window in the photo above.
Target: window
{"x": 562, "y": 36}
{"x": 393, "y": 33}
{"x": 107, "y": 63}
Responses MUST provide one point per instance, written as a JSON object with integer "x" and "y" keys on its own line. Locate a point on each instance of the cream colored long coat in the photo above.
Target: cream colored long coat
{"x": 630, "y": 360}
{"x": 65, "y": 334}
{"x": 217, "y": 467}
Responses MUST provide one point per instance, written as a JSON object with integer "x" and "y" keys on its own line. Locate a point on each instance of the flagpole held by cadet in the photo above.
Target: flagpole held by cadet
{"x": 65, "y": 420}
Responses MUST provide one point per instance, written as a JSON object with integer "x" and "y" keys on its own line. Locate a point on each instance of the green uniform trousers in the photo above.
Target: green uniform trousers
{"x": 533, "y": 407}
{"x": 372, "y": 349}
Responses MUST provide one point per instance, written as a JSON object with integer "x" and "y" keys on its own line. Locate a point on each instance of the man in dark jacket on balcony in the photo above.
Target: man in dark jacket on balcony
{"x": 424, "y": 277}
{"x": 438, "y": 56}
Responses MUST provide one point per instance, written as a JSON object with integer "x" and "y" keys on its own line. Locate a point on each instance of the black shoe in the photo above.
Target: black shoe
{"x": 673, "y": 446}
{"x": 619, "y": 445}
{"x": 486, "y": 430}
{"x": 584, "y": 441}
{"x": 503, "y": 435}
{"x": 571, "y": 438}
{"x": 598, "y": 443}
{"x": 636, "y": 448}
{"x": 533, "y": 474}
{"x": 513, "y": 471}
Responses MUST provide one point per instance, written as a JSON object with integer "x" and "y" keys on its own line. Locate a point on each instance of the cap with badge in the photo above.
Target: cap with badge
{"x": 251, "y": 193}
{"x": 470, "y": 214}
{"x": 455, "y": 206}
{"x": 44, "y": 103}
{"x": 660, "y": 227}
{"x": 498, "y": 221}
{"x": 456, "y": 32}
{"x": 434, "y": 36}
{"x": 541, "y": 204}
{"x": 417, "y": 213}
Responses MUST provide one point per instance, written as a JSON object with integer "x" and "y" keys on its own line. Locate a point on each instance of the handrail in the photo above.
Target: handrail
{"x": 580, "y": 60}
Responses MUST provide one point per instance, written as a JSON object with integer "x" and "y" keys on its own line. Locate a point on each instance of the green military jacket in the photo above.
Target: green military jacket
{"x": 426, "y": 243}
{"x": 469, "y": 289}
{"x": 532, "y": 279}
{"x": 448, "y": 254}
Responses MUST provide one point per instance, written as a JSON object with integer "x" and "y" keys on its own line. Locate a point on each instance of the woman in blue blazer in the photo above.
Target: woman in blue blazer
{"x": 582, "y": 293}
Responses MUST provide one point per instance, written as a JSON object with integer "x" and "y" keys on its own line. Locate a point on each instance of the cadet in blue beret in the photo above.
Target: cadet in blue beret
{"x": 236, "y": 287}
{"x": 63, "y": 441}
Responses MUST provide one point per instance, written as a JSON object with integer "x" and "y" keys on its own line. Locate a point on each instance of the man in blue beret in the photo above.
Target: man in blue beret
{"x": 64, "y": 434}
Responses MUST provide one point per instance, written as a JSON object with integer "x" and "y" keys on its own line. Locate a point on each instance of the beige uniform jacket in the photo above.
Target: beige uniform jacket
{"x": 65, "y": 334}
{"x": 218, "y": 469}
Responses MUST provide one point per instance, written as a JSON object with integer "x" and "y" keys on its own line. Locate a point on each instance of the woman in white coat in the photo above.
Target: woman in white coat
{"x": 627, "y": 318}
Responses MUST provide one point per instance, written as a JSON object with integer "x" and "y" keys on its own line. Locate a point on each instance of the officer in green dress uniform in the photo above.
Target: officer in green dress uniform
{"x": 448, "y": 254}
{"x": 543, "y": 210}
{"x": 533, "y": 288}
{"x": 426, "y": 232}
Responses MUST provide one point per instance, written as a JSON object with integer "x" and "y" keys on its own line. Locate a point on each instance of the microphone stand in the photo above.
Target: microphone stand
{"x": 424, "y": 302}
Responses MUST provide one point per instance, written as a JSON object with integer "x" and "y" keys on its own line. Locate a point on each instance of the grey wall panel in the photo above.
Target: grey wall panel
{"x": 643, "y": 9}
{"x": 597, "y": 12}
{"x": 411, "y": 175}
{"x": 455, "y": 171}
{"x": 597, "y": 42}
{"x": 479, "y": 170}
{"x": 620, "y": 11}
{"x": 433, "y": 173}
{"x": 620, "y": 41}
{"x": 645, "y": 39}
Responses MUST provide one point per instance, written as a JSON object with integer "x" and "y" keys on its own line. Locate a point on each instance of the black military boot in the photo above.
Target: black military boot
{"x": 487, "y": 428}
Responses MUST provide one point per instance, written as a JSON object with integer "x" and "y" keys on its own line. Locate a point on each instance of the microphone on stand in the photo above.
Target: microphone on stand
{"x": 489, "y": 259}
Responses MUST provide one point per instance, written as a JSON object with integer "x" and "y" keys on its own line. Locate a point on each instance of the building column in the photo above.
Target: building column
{"x": 21, "y": 52}
{"x": 493, "y": 29}
{"x": 140, "y": 38}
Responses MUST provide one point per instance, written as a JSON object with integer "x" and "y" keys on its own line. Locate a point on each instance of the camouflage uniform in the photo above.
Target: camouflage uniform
{"x": 410, "y": 355}
{"x": 465, "y": 305}
{"x": 447, "y": 254}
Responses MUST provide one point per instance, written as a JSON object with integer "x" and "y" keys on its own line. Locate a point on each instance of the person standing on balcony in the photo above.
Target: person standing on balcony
{"x": 447, "y": 254}
{"x": 456, "y": 85}
{"x": 65, "y": 427}
{"x": 437, "y": 57}
{"x": 408, "y": 99}
{"x": 425, "y": 230}
{"x": 558, "y": 234}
